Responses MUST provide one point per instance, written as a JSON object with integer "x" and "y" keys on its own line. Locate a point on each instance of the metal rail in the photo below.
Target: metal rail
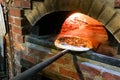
{"x": 35, "y": 69}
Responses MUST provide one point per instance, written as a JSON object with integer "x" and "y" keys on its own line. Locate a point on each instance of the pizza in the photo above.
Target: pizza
{"x": 74, "y": 43}
{"x": 80, "y": 32}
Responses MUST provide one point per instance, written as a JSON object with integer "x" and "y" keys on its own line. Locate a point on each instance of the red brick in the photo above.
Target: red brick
{"x": 63, "y": 60}
{"x": 68, "y": 73}
{"x": 1, "y": 1}
{"x": 41, "y": 54}
{"x": 16, "y": 30}
{"x": 18, "y": 46}
{"x": 26, "y": 4}
{"x": 20, "y": 38}
{"x": 7, "y": 40}
{"x": 22, "y": 3}
{"x": 13, "y": 36}
{"x": 109, "y": 76}
{"x": 15, "y": 12}
{"x": 53, "y": 67}
{"x": 16, "y": 21}
{"x": 92, "y": 71}
{"x": 17, "y": 3}
{"x": 28, "y": 58}
{"x": 11, "y": 20}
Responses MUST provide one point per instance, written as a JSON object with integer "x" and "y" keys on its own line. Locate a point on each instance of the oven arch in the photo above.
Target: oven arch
{"x": 97, "y": 9}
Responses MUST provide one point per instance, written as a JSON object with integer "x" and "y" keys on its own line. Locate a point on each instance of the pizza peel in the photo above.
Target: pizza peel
{"x": 66, "y": 41}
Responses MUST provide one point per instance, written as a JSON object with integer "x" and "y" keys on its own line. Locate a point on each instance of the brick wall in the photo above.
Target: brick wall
{"x": 22, "y": 15}
{"x": 64, "y": 67}
{"x": 17, "y": 30}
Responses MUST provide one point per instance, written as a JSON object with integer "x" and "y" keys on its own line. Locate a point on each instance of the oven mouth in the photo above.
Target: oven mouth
{"x": 45, "y": 35}
{"x": 50, "y": 23}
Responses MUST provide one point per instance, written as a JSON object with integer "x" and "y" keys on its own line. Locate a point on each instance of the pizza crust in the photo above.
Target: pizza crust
{"x": 74, "y": 43}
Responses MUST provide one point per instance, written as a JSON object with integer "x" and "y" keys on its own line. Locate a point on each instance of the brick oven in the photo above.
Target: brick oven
{"x": 33, "y": 26}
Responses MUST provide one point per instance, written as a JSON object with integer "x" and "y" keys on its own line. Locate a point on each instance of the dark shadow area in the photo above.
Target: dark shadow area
{"x": 50, "y": 23}
{"x": 45, "y": 78}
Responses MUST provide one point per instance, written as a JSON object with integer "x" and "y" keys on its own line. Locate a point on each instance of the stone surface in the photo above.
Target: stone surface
{"x": 37, "y": 12}
{"x": 85, "y": 6}
{"x": 114, "y": 24}
{"x": 104, "y": 17}
{"x": 95, "y": 9}
{"x": 117, "y": 36}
